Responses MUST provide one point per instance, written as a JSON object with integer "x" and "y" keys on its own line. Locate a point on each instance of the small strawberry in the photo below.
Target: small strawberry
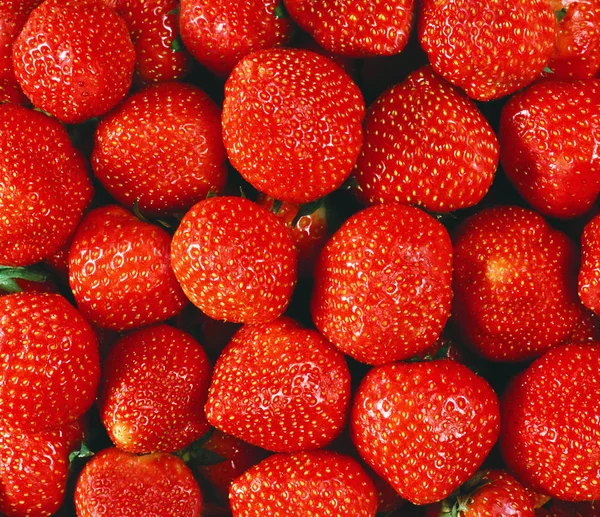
{"x": 154, "y": 386}
{"x": 427, "y": 144}
{"x": 487, "y": 47}
{"x": 305, "y": 483}
{"x": 551, "y": 424}
{"x": 128, "y": 485}
{"x": 382, "y": 289}
{"x": 548, "y": 146}
{"x": 74, "y": 59}
{"x": 589, "y": 273}
{"x": 292, "y": 123}
{"x": 234, "y": 260}
{"x": 280, "y": 387}
{"x": 424, "y": 427}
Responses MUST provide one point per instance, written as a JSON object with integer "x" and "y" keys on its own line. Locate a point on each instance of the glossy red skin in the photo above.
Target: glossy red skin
{"x": 303, "y": 482}
{"x": 550, "y": 424}
{"x": 514, "y": 284}
{"x": 49, "y": 359}
{"x": 213, "y": 250}
{"x": 34, "y": 469}
{"x": 292, "y": 123}
{"x": 424, "y": 427}
{"x": 589, "y": 272}
{"x": 120, "y": 271}
{"x": 92, "y": 76}
{"x": 427, "y": 144}
{"x": 44, "y": 183}
{"x": 356, "y": 28}
{"x": 219, "y": 33}
{"x": 382, "y": 289}
{"x": 487, "y": 48}
{"x": 153, "y": 485}
{"x": 280, "y": 387}
{"x": 548, "y": 148}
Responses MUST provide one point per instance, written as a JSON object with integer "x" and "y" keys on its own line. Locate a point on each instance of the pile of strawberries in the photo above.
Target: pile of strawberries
{"x": 335, "y": 258}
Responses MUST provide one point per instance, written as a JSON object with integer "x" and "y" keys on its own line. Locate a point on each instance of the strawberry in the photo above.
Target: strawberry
{"x": 382, "y": 289}
{"x": 120, "y": 270}
{"x": 355, "y": 28}
{"x": 219, "y": 33}
{"x": 86, "y": 63}
{"x": 589, "y": 273}
{"x": 128, "y": 485}
{"x": 487, "y": 47}
{"x": 234, "y": 260}
{"x": 514, "y": 284}
{"x": 39, "y": 170}
{"x": 49, "y": 359}
{"x": 280, "y": 387}
{"x": 557, "y": 508}
{"x": 154, "y": 386}
{"x": 424, "y": 427}
{"x": 426, "y": 143}
{"x": 551, "y": 423}
{"x": 292, "y": 123}
{"x": 305, "y": 483}
{"x": 548, "y": 146}
{"x": 163, "y": 148}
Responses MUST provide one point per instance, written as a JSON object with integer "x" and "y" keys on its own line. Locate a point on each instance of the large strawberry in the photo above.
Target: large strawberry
{"x": 549, "y": 149}
{"x": 382, "y": 289}
{"x": 44, "y": 184}
{"x": 424, "y": 427}
{"x": 427, "y": 144}
{"x": 292, "y": 123}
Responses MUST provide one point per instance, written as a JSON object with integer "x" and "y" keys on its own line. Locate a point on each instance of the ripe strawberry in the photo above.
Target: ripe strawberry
{"x": 514, "y": 284}
{"x": 128, "y": 485}
{"x": 557, "y": 508}
{"x": 589, "y": 273}
{"x": 426, "y": 143}
{"x": 34, "y": 469}
{"x": 234, "y": 260}
{"x": 382, "y": 289}
{"x": 486, "y": 47}
{"x": 45, "y": 186}
{"x": 49, "y": 359}
{"x": 305, "y": 483}
{"x": 280, "y": 387}
{"x": 356, "y": 28}
{"x": 219, "y": 33}
{"x": 548, "y": 146}
{"x": 74, "y": 59}
{"x": 154, "y": 386}
{"x": 292, "y": 123}
{"x": 424, "y": 427}
{"x": 163, "y": 148}
{"x": 120, "y": 271}
{"x": 551, "y": 424}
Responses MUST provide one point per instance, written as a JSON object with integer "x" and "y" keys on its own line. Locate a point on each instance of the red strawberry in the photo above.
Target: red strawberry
{"x": 551, "y": 424}
{"x": 355, "y": 28}
{"x": 557, "y": 508}
{"x": 74, "y": 59}
{"x": 120, "y": 270}
{"x": 426, "y": 143}
{"x": 44, "y": 184}
{"x": 382, "y": 289}
{"x": 234, "y": 260}
{"x": 49, "y": 362}
{"x": 219, "y": 33}
{"x": 487, "y": 47}
{"x": 424, "y": 427}
{"x": 292, "y": 123}
{"x": 128, "y": 485}
{"x": 280, "y": 387}
{"x": 514, "y": 284}
{"x": 549, "y": 149}
{"x": 154, "y": 386}
{"x": 589, "y": 273}
{"x": 305, "y": 483}
{"x": 163, "y": 148}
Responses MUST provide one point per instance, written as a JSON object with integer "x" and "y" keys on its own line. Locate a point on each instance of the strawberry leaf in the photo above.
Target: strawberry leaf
{"x": 308, "y": 209}
{"x": 81, "y": 453}
{"x": 9, "y": 274}
{"x": 560, "y": 14}
{"x": 176, "y": 45}
{"x": 280, "y": 11}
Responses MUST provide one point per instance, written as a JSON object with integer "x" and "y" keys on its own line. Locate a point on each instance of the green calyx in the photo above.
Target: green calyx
{"x": 458, "y": 502}
{"x": 82, "y": 453}
{"x": 176, "y": 45}
{"x": 9, "y": 276}
{"x": 197, "y": 454}
{"x": 560, "y": 14}
{"x": 308, "y": 209}
{"x": 280, "y": 11}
